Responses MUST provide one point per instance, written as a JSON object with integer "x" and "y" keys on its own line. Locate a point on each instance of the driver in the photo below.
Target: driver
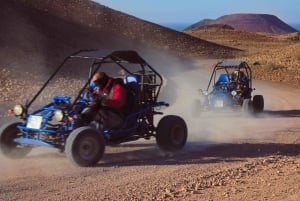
{"x": 109, "y": 96}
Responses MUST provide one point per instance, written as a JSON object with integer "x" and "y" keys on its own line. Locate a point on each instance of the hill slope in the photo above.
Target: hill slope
{"x": 44, "y": 31}
{"x": 250, "y": 22}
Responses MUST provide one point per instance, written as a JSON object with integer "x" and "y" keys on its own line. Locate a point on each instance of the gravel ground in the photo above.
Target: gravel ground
{"x": 226, "y": 158}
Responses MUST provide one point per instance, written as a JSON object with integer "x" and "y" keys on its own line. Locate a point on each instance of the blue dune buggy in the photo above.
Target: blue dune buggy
{"x": 57, "y": 124}
{"x": 230, "y": 87}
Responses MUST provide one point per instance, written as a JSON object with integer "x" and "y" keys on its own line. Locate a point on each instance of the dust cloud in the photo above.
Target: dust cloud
{"x": 182, "y": 89}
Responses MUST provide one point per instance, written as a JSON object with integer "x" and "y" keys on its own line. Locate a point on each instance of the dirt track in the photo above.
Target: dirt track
{"x": 227, "y": 157}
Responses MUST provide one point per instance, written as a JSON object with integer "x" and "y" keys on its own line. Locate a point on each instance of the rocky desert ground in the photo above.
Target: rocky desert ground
{"x": 227, "y": 156}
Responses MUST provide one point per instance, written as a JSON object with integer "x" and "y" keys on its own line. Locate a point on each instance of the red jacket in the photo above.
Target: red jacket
{"x": 116, "y": 97}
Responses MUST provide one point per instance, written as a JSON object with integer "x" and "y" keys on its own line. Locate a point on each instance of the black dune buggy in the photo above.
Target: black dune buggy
{"x": 230, "y": 87}
{"x": 57, "y": 124}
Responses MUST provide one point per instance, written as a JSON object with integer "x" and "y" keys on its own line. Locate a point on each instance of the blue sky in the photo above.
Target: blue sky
{"x": 191, "y": 11}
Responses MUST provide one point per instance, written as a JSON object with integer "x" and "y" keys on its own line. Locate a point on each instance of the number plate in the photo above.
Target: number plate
{"x": 34, "y": 122}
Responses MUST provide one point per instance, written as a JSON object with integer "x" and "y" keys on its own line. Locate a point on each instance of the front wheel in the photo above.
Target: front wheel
{"x": 247, "y": 107}
{"x": 8, "y": 147}
{"x": 171, "y": 133}
{"x": 85, "y": 146}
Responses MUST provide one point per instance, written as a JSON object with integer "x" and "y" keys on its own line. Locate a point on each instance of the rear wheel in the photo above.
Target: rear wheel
{"x": 8, "y": 147}
{"x": 258, "y": 103}
{"x": 171, "y": 133}
{"x": 85, "y": 146}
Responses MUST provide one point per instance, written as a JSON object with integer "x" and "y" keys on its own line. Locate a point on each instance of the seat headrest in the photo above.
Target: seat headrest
{"x": 130, "y": 78}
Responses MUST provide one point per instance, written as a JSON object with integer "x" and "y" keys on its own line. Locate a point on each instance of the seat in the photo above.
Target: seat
{"x": 132, "y": 87}
{"x": 130, "y": 78}
{"x": 223, "y": 78}
{"x": 131, "y": 83}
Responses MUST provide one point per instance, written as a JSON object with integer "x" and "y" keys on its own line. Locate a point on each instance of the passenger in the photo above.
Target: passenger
{"x": 242, "y": 82}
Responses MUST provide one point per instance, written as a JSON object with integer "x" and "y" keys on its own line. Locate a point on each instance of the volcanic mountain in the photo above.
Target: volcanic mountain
{"x": 249, "y": 22}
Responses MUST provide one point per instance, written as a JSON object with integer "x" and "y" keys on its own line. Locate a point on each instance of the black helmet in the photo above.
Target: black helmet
{"x": 100, "y": 79}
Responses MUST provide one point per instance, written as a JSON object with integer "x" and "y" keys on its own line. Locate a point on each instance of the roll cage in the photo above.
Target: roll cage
{"x": 228, "y": 67}
{"x": 150, "y": 81}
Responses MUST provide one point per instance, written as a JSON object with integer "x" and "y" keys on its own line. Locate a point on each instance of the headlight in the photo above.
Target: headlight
{"x": 18, "y": 110}
{"x": 233, "y": 93}
{"x": 59, "y": 115}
